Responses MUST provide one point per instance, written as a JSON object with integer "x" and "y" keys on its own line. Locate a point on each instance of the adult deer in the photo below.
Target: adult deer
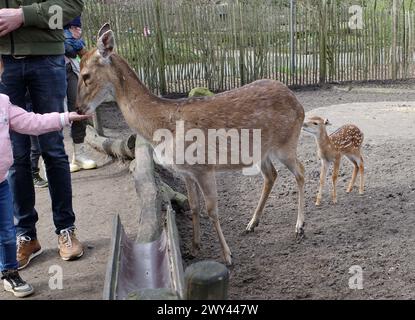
{"x": 266, "y": 105}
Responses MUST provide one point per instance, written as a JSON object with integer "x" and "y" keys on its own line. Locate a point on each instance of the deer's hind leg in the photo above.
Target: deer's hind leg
{"x": 207, "y": 183}
{"x": 270, "y": 176}
{"x": 358, "y": 163}
{"x": 290, "y": 160}
{"x": 355, "y": 172}
{"x": 362, "y": 175}
{"x": 194, "y": 203}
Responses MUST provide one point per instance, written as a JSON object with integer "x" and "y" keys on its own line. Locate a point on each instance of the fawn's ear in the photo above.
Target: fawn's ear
{"x": 106, "y": 44}
{"x": 327, "y": 122}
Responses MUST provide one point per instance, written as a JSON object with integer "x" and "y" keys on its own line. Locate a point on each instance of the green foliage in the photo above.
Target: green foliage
{"x": 200, "y": 92}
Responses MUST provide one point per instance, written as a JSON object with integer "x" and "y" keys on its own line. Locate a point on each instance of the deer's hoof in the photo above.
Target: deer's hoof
{"x": 228, "y": 259}
{"x": 251, "y": 226}
{"x": 195, "y": 250}
{"x": 299, "y": 233}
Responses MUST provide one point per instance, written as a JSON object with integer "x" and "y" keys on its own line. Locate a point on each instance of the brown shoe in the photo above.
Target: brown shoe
{"x": 27, "y": 249}
{"x": 69, "y": 246}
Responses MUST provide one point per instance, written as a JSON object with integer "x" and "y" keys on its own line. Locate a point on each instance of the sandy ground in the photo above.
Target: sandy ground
{"x": 374, "y": 231}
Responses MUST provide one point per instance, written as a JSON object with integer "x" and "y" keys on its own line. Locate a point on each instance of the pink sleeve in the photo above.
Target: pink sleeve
{"x": 31, "y": 123}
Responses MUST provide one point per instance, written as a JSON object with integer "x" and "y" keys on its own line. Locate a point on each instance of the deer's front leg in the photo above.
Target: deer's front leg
{"x": 336, "y": 169}
{"x": 207, "y": 183}
{"x": 194, "y": 203}
{"x": 323, "y": 174}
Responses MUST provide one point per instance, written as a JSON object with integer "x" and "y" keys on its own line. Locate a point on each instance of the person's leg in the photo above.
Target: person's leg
{"x": 78, "y": 129}
{"x": 12, "y": 281}
{"x": 46, "y": 78}
{"x": 8, "y": 260}
{"x": 35, "y": 154}
{"x": 20, "y": 174}
{"x": 80, "y": 159}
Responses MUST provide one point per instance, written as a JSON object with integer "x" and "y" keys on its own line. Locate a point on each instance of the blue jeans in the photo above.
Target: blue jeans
{"x": 35, "y": 151}
{"x": 7, "y": 230}
{"x": 45, "y": 79}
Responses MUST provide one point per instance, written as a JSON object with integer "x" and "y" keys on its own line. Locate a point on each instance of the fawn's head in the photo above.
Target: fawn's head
{"x": 316, "y": 125}
{"x": 97, "y": 77}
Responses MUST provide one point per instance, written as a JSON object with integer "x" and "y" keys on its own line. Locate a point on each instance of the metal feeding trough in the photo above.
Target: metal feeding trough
{"x": 151, "y": 266}
{"x": 151, "y": 270}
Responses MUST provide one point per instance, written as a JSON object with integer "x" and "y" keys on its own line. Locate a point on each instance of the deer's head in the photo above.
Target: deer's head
{"x": 316, "y": 125}
{"x": 97, "y": 78}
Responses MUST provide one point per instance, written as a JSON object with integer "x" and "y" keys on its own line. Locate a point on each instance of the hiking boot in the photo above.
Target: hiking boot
{"x": 27, "y": 249}
{"x": 16, "y": 285}
{"x": 80, "y": 160}
{"x": 70, "y": 248}
{"x": 39, "y": 182}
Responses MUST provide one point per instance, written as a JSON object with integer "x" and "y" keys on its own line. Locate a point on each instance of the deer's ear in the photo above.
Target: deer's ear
{"x": 327, "y": 122}
{"x": 106, "y": 44}
{"x": 105, "y": 28}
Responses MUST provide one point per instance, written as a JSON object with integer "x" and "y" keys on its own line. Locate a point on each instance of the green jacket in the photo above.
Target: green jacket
{"x": 35, "y": 36}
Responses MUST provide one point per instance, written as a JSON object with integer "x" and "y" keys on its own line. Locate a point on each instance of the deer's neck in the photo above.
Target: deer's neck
{"x": 142, "y": 110}
{"x": 324, "y": 144}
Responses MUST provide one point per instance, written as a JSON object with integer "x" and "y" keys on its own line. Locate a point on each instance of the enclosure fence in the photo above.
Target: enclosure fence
{"x": 176, "y": 46}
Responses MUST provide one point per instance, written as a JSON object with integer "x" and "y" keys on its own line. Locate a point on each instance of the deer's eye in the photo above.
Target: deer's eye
{"x": 315, "y": 123}
{"x": 86, "y": 77}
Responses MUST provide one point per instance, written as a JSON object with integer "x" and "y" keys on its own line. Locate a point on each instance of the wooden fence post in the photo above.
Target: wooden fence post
{"x": 293, "y": 47}
{"x": 161, "y": 51}
{"x": 395, "y": 28}
{"x": 323, "y": 42}
{"x": 207, "y": 280}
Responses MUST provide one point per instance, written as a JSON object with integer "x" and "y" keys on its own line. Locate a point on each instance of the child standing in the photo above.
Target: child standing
{"x": 18, "y": 120}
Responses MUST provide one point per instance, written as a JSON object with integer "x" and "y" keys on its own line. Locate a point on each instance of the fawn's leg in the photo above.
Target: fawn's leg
{"x": 194, "y": 203}
{"x": 362, "y": 176}
{"x": 323, "y": 174}
{"x": 354, "y": 176}
{"x": 270, "y": 175}
{"x": 336, "y": 169}
{"x": 207, "y": 183}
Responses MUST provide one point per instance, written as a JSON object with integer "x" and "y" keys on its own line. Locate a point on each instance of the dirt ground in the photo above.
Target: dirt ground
{"x": 374, "y": 231}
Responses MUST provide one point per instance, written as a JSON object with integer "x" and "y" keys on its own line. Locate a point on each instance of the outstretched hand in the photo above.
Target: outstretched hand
{"x": 10, "y": 20}
{"x": 73, "y": 116}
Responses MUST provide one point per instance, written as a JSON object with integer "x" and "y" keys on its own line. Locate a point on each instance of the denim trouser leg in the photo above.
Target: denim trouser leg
{"x": 35, "y": 154}
{"x": 78, "y": 129}
{"x": 7, "y": 231}
{"x": 45, "y": 78}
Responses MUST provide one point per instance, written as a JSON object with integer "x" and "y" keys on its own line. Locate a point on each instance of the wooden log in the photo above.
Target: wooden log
{"x": 168, "y": 192}
{"x": 123, "y": 149}
{"x": 97, "y": 121}
{"x": 207, "y": 280}
{"x": 150, "y": 199}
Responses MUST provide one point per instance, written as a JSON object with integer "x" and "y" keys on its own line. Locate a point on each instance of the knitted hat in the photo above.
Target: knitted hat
{"x": 75, "y": 23}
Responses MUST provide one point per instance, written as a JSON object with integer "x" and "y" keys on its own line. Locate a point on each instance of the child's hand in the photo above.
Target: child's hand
{"x": 73, "y": 116}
